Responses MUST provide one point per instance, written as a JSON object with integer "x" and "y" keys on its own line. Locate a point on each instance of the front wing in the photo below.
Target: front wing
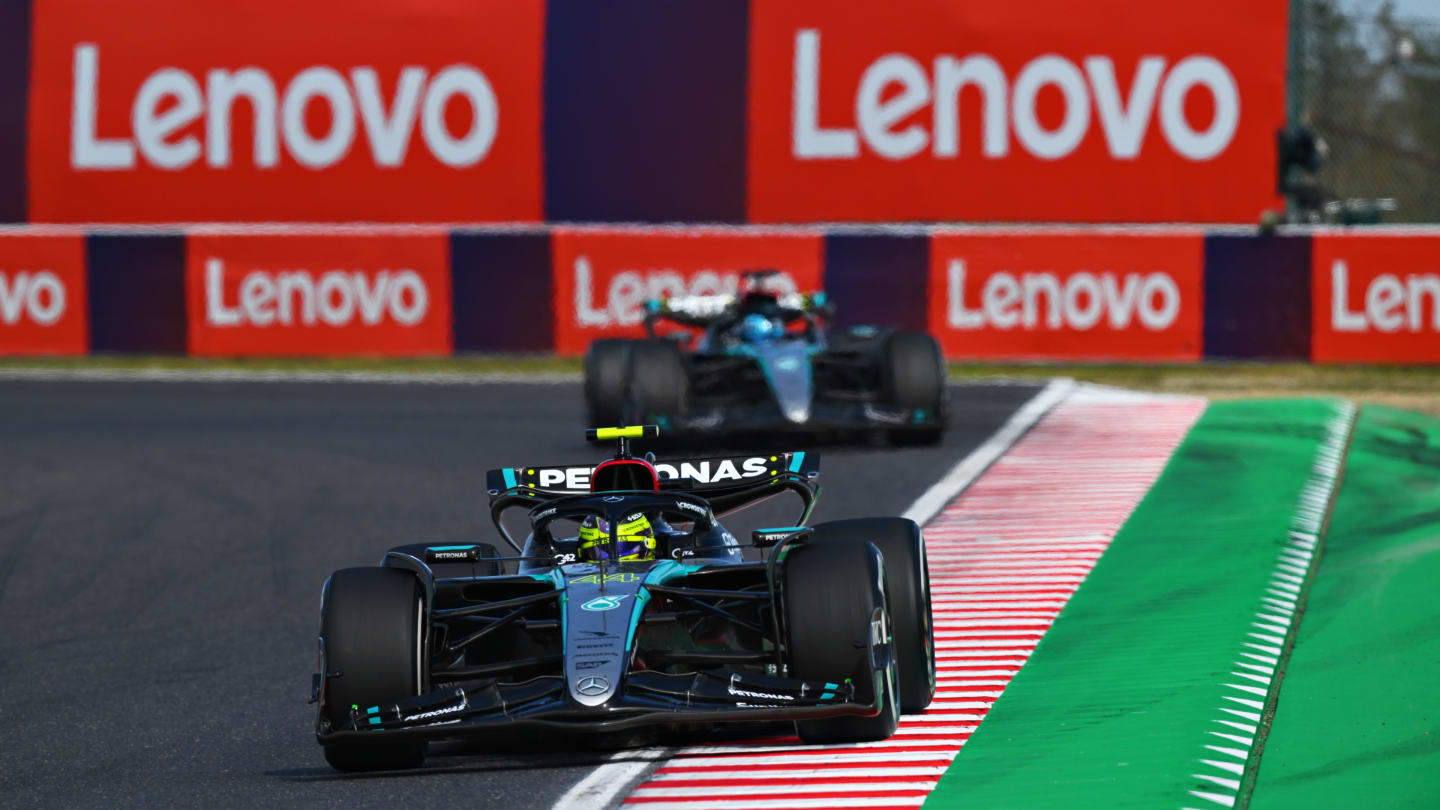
{"x": 824, "y": 415}
{"x": 648, "y": 698}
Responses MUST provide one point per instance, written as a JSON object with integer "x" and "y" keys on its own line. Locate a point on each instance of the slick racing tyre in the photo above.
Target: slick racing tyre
{"x": 907, "y": 583}
{"x": 372, "y": 621}
{"x": 658, "y": 385}
{"x": 831, "y": 591}
{"x": 606, "y": 362}
{"x": 912, "y": 372}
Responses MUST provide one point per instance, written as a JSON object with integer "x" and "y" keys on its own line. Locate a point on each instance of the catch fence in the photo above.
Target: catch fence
{"x": 1364, "y": 77}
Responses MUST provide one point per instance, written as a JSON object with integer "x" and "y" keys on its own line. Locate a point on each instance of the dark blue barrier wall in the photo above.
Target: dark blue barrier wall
{"x": 14, "y": 106}
{"x": 501, "y": 291}
{"x": 136, "y": 293}
{"x": 1257, "y": 297}
{"x": 878, "y": 278}
{"x": 645, "y": 110}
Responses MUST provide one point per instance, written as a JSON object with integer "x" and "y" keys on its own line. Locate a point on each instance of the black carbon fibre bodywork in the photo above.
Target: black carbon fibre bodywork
{"x": 695, "y": 636}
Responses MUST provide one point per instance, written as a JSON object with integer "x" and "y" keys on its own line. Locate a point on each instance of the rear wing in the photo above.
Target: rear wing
{"x": 703, "y": 476}
{"x": 727, "y": 483}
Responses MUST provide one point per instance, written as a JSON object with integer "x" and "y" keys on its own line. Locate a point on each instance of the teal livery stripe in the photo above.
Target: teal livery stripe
{"x": 663, "y": 572}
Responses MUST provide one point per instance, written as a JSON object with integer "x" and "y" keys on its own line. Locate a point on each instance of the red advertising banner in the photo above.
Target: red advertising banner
{"x": 1109, "y": 111}
{"x": 320, "y": 294}
{"x": 42, "y": 294}
{"x": 604, "y": 276}
{"x": 175, "y": 111}
{"x": 1067, "y": 296}
{"x": 1375, "y": 298}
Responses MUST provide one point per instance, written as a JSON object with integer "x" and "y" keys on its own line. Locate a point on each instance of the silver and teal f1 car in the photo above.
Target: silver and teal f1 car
{"x": 765, "y": 361}
{"x": 829, "y": 628}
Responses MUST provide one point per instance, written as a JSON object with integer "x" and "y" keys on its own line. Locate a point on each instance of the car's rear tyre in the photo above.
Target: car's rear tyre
{"x": 372, "y": 622}
{"x": 606, "y": 363}
{"x": 659, "y": 388}
{"x": 912, "y": 372}
{"x": 831, "y": 592}
{"x": 907, "y": 584}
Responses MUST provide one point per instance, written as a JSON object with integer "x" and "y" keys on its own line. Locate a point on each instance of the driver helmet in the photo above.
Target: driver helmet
{"x": 634, "y": 537}
{"x": 757, "y": 328}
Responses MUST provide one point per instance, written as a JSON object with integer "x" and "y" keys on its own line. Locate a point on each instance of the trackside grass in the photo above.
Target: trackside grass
{"x": 1133, "y": 695}
{"x": 1358, "y": 722}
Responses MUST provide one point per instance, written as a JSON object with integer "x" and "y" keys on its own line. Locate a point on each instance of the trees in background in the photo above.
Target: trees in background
{"x": 1369, "y": 85}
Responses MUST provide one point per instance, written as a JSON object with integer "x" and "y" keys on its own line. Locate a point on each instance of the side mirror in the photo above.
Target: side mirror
{"x": 443, "y": 554}
{"x": 765, "y": 538}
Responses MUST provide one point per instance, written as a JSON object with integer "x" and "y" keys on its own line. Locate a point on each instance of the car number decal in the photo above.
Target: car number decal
{"x": 594, "y": 579}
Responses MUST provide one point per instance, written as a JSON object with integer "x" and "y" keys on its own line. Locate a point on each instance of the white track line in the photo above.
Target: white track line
{"x": 962, "y": 474}
{"x": 601, "y": 787}
{"x": 1094, "y": 446}
{"x": 1257, "y": 676}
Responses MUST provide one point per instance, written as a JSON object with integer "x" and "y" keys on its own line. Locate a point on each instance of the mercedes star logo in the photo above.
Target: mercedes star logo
{"x": 612, "y": 499}
{"x": 592, "y": 685}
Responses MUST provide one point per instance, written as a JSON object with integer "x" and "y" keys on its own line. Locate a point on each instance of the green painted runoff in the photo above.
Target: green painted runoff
{"x": 1358, "y": 718}
{"x": 1113, "y": 708}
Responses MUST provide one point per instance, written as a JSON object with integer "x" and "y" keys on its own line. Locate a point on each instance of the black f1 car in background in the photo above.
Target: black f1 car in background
{"x": 766, "y": 360}
{"x": 831, "y": 629}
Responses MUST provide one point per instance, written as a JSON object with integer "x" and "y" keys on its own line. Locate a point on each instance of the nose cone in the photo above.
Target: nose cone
{"x": 592, "y": 690}
{"x": 601, "y": 607}
{"x": 795, "y": 411}
{"x": 790, "y": 380}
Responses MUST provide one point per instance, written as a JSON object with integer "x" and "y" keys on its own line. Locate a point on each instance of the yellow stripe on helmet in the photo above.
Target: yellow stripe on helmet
{"x": 634, "y": 527}
{"x": 634, "y": 432}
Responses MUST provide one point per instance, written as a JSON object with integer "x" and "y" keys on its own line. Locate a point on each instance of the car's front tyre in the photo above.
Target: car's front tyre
{"x": 913, "y": 375}
{"x": 372, "y": 624}
{"x": 832, "y": 594}
{"x": 659, "y": 387}
{"x": 606, "y": 364}
{"x": 907, "y": 584}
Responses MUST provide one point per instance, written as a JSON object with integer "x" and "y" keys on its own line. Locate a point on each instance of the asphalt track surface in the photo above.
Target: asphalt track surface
{"x": 163, "y": 544}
